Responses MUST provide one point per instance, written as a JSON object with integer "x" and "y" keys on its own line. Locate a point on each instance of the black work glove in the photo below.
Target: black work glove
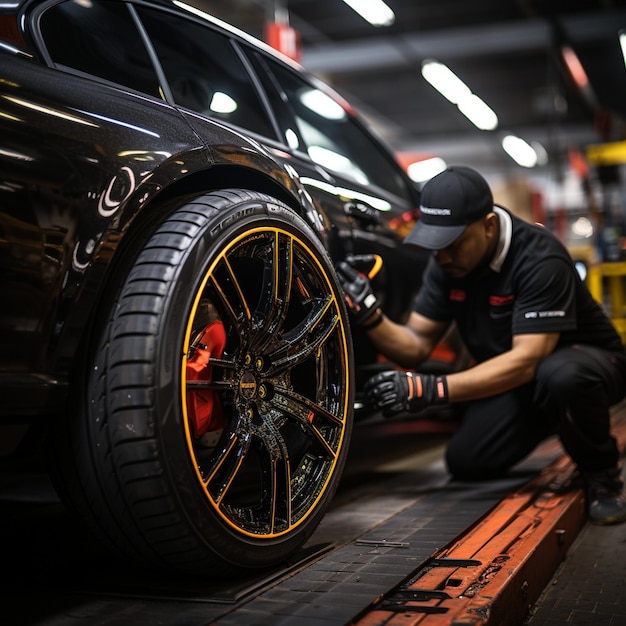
{"x": 396, "y": 391}
{"x": 361, "y": 300}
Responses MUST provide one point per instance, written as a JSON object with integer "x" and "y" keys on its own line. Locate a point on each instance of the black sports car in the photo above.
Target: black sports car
{"x": 173, "y": 196}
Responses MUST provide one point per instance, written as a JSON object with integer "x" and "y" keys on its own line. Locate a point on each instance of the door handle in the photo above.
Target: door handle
{"x": 362, "y": 212}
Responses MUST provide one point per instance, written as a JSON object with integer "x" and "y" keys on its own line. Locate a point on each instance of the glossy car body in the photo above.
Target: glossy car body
{"x": 136, "y": 200}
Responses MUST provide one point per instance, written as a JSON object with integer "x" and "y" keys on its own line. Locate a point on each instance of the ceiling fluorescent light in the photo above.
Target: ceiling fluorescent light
{"x": 520, "y": 151}
{"x": 376, "y": 12}
{"x": 449, "y": 85}
{"x": 622, "y": 43}
{"x": 421, "y": 171}
{"x": 478, "y": 112}
{"x": 445, "y": 81}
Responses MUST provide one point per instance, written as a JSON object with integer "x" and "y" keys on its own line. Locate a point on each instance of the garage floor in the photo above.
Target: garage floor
{"x": 396, "y": 524}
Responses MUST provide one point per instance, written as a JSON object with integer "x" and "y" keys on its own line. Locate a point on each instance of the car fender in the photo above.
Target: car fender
{"x": 104, "y": 246}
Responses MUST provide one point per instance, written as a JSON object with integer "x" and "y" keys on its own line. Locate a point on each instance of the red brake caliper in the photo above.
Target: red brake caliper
{"x": 203, "y": 406}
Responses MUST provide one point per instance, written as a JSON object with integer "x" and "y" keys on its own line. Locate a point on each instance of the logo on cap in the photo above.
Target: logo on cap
{"x": 430, "y": 211}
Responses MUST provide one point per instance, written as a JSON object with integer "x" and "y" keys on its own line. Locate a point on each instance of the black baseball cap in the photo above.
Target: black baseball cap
{"x": 450, "y": 202}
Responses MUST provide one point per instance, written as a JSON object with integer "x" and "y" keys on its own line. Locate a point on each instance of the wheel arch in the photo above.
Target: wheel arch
{"x": 227, "y": 176}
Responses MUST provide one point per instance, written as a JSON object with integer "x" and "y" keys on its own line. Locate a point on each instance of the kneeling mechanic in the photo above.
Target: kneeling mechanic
{"x": 547, "y": 357}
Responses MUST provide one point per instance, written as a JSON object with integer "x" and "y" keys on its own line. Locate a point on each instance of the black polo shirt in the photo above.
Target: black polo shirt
{"x": 531, "y": 286}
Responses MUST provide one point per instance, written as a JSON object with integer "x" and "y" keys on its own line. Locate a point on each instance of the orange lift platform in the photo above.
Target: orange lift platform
{"x": 402, "y": 545}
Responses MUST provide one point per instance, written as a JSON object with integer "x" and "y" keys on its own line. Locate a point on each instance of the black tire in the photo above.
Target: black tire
{"x": 245, "y": 492}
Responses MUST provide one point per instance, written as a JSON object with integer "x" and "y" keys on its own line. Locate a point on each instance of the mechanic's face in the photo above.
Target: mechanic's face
{"x": 474, "y": 248}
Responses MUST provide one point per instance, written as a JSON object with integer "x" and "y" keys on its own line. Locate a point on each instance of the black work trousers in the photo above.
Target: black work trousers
{"x": 571, "y": 396}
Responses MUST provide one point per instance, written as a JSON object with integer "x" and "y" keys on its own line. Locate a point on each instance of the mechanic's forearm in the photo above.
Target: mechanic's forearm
{"x": 399, "y": 343}
{"x": 497, "y": 375}
{"x": 506, "y": 371}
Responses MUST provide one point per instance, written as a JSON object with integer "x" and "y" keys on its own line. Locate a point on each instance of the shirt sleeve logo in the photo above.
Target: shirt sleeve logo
{"x": 542, "y": 314}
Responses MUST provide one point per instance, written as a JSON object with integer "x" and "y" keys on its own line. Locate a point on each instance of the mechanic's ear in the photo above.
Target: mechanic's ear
{"x": 491, "y": 224}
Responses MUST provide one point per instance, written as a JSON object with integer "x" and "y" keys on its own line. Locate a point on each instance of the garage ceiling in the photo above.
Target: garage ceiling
{"x": 507, "y": 51}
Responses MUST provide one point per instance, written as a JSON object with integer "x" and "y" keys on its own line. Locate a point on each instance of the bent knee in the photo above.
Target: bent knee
{"x": 557, "y": 377}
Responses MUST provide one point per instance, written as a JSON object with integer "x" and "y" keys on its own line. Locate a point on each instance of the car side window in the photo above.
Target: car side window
{"x": 331, "y": 137}
{"x": 101, "y": 39}
{"x": 204, "y": 71}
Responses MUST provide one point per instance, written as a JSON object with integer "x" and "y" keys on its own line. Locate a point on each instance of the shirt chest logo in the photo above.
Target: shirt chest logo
{"x": 501, "y": 307}
{"x": 457, "y": 295}
{"x": 501, "y": 300}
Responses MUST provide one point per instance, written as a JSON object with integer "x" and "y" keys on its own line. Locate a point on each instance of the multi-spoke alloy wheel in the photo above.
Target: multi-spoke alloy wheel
{"x": 280, "y": 381}
{"x": 219, "y": 408}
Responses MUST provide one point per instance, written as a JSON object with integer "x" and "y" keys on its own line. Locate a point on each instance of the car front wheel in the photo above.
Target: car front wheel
{"x": 218, "y": 407}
